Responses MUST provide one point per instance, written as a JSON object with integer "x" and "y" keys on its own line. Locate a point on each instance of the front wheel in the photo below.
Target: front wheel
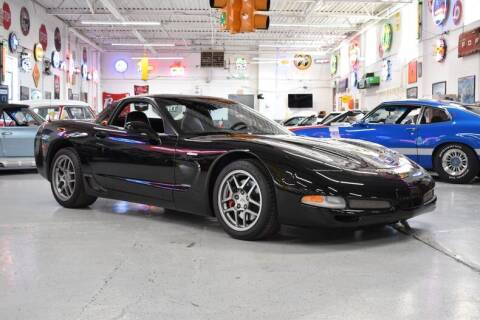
{"x": 66, "y": 180}
{"x": 244, "y": 201}
{"x": 456, "y": 163}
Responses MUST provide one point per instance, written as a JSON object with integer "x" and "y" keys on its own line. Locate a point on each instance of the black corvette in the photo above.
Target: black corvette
{"x": 211, "y": 156}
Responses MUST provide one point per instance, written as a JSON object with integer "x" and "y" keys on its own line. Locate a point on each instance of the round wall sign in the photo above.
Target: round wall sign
{"x": 457, "y": 12}
{"x": 121, "y": 66}
{"x": 25, "y": 62}
{"x": 333, "y": 64}
{"x": 387, "y": 37}
{"x": 7, "y": 16}
{"x": 440, "y": 50}
{"x": 57, "y": 39}
{"x": 440, "y": 11}
{"x": 84, "y": 55}
{"x": 43, "y": 36}
{"x": 13, "y": 42}
{"x": 55, "y": 59}
{"x": 354, "y": 52}
{"x": 24, "y": 21}
{"x": 302, "y": 61}
{"x": 38, "y": 52}
{"x": 84, "y": 71}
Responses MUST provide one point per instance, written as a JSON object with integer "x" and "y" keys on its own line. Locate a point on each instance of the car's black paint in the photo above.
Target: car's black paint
{"x": 178, "y": 172}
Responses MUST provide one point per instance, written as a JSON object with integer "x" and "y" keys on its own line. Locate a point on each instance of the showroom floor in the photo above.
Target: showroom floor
{"x": 126, "y": 261}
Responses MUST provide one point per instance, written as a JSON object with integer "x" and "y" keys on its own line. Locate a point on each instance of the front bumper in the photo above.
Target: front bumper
{"x": 305, "y": 215}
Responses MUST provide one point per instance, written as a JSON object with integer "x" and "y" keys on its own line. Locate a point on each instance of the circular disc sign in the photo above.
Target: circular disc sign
{"x": 121, "y": 66}
{"x": 7, "y": 16}
{"x": 457, "y": 12}
{"x": 13, "y": 42}
{"x": 440, "y": 11}
{"x": 43, "y": 36}
{"x": 302, "y": 61}
{"x": 24, "y": 21}
{"x": 38, "y": 52}
{"x": 55, "y": 59}
{"x": 333, "y": 64}
{"x": 387, "y": 36}
{"x": 58, "y": 39}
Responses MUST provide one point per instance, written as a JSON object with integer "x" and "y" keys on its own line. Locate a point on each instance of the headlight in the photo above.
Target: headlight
{"x": 329, "y": 202}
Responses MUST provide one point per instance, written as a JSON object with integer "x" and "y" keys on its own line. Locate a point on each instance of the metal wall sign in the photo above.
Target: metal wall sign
{"x": 333, "y": 64}
{"x": 57, "y": 39}
{"x": 38, "y": 52}
{"x": 13, "y": 42}
{"x": 302, "y": 61}
{"x": 55, "y": 56}
{"x": 457, "y": 12}
{"x": 440, "y": 9}
{"x": 469, "y": 43}
{"x": 387, "y": 37}
{"x": 26, "y": 64}
{"x": 440, "y": 50}
{"x": 7, "y": 16}
{"x": 43, "y": 36}
{"x": 24, "y": 21}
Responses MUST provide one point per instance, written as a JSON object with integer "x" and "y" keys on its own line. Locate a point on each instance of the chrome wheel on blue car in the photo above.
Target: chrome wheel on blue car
{"x": 456, "y": 163}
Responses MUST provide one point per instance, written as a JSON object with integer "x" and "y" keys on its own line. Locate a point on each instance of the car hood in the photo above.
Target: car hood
{"x": 336, "y": 153}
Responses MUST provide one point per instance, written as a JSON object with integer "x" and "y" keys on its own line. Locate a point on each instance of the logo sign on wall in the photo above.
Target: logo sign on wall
{"x": 469, "y": 43}
{"x": 440, "y": 10}
{"x": 354, "y": 52}
{"x": 333, "y": 64}
{"x": 412, "y": 72}
{"x": 302, "y": 61}
{"x": 457, "y": 12}
{"x": 84, "y": 55}
{"x": 7, "y": 16}
{"x": 36, "y": 75}
{"x": 56, "y": 87}
{"x": 440, "y": 50}
{"x": 140, "y": 89}
{"x": 387, "y": 37}
{"x": 24, "y": 21}
{"x": 43, "y": 36}
{"x": 84, "y": 70}
{"x": 25, "y": 62}
{"x": 387, "y": 70}
{"x": 57, "y": 39}
{"x": 55, "y": 56}
{"x": 38, "y": 51}
{"x": 121, "y": 66}
{"x": 13, "y": 42}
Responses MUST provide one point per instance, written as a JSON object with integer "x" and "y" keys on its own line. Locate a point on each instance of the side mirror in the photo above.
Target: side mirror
{"x": 144, "y": 130}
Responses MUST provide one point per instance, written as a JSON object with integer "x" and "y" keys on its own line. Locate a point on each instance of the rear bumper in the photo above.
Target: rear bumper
{"x": 305, "y": 215}
{"x": 15, "y": 163}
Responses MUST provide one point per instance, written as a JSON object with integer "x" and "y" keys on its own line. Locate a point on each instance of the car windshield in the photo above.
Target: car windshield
{"x": 308, "y": 121}
{"x": 213, "y": 116}
{"x": 78, "y": 113}
{"x": 19, "y": 116}
{"x": 329, "y": 117}
{"x": 293, "y": 121}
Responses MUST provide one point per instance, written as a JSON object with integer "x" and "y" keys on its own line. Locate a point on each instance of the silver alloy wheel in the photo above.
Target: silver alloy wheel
{"x": 455, "y": 162}
{"x": 63, "y": 177}
{"x": 240, "y": 200}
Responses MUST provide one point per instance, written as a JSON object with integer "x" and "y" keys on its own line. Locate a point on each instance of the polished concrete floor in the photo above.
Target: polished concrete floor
{"x": 120, "y": 260}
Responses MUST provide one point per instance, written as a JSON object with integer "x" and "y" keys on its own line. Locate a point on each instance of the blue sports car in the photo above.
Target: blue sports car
{"x": 439, "y": 135}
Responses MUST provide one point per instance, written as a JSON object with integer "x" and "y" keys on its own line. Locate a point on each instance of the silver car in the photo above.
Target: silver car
{"x": 18, "y": 127}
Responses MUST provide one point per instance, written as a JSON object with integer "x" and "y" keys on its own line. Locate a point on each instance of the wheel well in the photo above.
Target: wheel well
{"x": 61, "y": 144}
{"x": 222, "y": 163}
{"x": 440, "y": 146}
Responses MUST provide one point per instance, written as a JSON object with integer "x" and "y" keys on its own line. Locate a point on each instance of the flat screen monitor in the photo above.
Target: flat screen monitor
{"x": 297, "y": 101}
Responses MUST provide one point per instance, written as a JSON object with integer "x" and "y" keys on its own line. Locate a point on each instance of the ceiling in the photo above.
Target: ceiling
{"x": 314, "y": 25}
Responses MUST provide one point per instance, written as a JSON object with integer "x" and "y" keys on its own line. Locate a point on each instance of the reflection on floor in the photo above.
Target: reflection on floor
{"x": 119, "y": 260}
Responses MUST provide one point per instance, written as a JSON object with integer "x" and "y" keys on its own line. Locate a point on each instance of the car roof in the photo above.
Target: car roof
{"x": 424, "y": 102}
{"x": 53, "y": 103}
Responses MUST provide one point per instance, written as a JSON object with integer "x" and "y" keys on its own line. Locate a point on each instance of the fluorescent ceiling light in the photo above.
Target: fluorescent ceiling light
{"x": 303, "y": 25}
{"x": 159, "y": 58}
{"x": 143, "y": 44}
{"x": 121, "y": 23}
{"x": 296, "y": 45}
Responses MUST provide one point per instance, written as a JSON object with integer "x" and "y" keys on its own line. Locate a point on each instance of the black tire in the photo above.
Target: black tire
{"x": 79, "y": 198}
{"x": 266, "y": 224}
{"x": 472, "y": 166}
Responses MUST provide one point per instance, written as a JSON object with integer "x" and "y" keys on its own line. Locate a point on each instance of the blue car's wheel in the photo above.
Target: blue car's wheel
{"x": 456, "y": 163}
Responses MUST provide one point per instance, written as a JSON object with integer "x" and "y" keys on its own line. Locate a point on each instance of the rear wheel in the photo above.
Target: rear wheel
{"x": 66, "y": 180}
{"x": 456, "y": 163}
{"x": 244, "y": 201}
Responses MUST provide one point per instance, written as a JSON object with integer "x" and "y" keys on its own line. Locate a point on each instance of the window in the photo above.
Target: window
{"x": 5, "y": 120}
{"x": 411, "y": 117}
{"x": 393, "y": 115}
{"x": 139, "y": 111}
{"x": 21, "y": 117}
{"x": 435, "y": 115}
{"x": 47, "y": 113}
{"x": 210, "y": 116}
{"x": 78, "y": 113}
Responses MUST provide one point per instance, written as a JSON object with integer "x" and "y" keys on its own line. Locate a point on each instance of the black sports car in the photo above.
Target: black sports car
{"x": 213, "y": 156}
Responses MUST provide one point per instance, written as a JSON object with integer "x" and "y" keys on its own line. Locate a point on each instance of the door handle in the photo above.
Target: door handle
{"x": 100, "y": 135}
{"x": 7, "y": 133}
{"x": 411, "y": 129}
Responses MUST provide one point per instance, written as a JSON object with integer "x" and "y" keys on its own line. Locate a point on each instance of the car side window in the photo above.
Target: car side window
{"x": 5, "y": 120}
{"x": 435, "y": 115}
{"x": 393, "y": 115}
{"x": 139, "y": 111}
{"x": 412, "y": 116}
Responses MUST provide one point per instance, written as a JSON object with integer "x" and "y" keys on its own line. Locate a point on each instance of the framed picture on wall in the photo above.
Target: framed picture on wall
{"x": 439, "y": 89}
{"x": 24, "y": 93}
{"x": 466, "y": 89}
{"x": 56, "y": 87}
{"x": 47, "y": 95}
{"x": 412, "y": 93}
